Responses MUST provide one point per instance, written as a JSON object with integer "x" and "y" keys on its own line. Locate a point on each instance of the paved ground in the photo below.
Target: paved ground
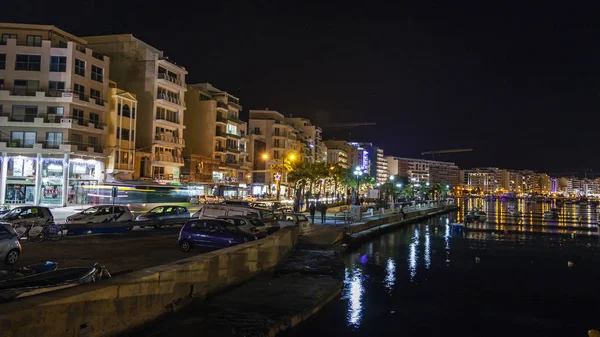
{"x": 118, "y": 252}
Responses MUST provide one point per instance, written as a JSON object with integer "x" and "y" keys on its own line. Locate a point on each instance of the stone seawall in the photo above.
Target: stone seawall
{"x": 125, "y": 302}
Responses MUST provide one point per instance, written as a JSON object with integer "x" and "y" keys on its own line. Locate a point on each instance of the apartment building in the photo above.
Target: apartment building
{"x": 121, "y": 133}
{"x": 340, "y": 152}
{"x": 392, "y": 164}
{"x": 487, "y": 180}
{"x": 159, "y": 86}
{"x": 281, "y": 143}
{"x": 312, "y": 138}
{"x": 378, "y": 163}
{"x": 214, "y": 130}
{"x": 53, "y": 92}
{"x": 423, "y": 171}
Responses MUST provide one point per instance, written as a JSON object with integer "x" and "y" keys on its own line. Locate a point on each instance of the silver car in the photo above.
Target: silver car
{"x": 164, "y": 215}
{"x": 10, "y": 247}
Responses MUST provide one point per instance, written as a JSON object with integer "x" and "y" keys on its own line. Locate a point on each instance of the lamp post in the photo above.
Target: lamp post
{"x": 357, "y": 173}
{"x": 279, "y": 175}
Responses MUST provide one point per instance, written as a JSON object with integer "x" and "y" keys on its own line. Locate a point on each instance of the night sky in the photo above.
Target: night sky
{"x": 517, "y": 84}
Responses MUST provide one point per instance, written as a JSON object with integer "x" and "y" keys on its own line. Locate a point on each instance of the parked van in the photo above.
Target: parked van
{"x": 223, "y": 210}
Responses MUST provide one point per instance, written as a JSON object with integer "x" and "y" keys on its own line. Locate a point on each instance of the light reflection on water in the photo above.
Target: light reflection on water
{"x": 353, "y": 281}
{"x": 412, "y": 255}
{"x": 390, "y": 274}
{"x": 447, "y": 243}
{"x": 427, "y": 251}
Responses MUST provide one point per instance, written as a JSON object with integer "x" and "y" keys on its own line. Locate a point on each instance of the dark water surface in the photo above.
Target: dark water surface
{"x": 424, "y": 280}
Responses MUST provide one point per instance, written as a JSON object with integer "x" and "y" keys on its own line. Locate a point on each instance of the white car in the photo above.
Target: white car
{"x": 100, "y": 214}
{"x": 10, "y": 247}
{"x": 292, "y": 219}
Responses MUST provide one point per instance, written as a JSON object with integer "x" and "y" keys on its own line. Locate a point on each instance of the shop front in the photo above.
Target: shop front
{"x": 84, "y": 176}
{"x": 52, "y": 184}
{"x": 20, "y": 180}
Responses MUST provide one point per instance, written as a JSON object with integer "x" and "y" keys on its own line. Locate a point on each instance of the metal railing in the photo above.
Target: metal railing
{"x": 79, "y": 95}
{"x": 175, "y": 100}
{"x": 169, "y": 138}
{"x": 172, "y": 79}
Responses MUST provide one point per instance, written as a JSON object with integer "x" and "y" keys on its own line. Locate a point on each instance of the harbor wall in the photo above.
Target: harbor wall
{"x": 122, "y": 303}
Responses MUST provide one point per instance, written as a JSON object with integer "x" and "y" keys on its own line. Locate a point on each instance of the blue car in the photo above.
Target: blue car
{"x": 211, "y": 233}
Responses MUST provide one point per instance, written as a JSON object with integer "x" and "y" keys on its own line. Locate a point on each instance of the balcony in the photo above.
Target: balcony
{"x": 169, "y": 139}
{"x": 53, "y": 121}
{"x": 234, "y": 119}
{"x": 255, "y": 132}
{"x": 221, "y": 119}
{"x": 167, "y": 159}
{"x": 170, "y": 80}
{"x": 235, "y": 134}
{"x": 169, "y": 100}
{"x": 220, "y": 134}
{"x": 219, "y": 149}
{"x": 221, "y": 105}
{"x": 232, "y": 149}
{"x": 53, "y": 146}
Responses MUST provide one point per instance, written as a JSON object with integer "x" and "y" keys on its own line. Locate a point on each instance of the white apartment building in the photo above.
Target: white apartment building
{"x": 281, "y": 141}
{"x": 159, "y": 86}
{"x": 223, "y": 137}
{"x": 338, "y": 156}
{"x": 53, "y": 92}
{"x": 423, "y": 171}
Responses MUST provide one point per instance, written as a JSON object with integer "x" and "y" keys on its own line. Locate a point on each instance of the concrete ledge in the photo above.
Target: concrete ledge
{"x": 124, "y": 302}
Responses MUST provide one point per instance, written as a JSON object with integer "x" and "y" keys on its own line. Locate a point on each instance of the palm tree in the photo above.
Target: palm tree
{"x": 320, "y": 172}
{"x": 299, "y": 175}
{"x": 336, "y": 174}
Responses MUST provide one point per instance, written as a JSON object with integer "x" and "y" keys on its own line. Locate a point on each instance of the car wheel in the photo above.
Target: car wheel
{"x": 12, "y": 257}
{"x": 185, "y": 246}
{"x": 142, "y": 226}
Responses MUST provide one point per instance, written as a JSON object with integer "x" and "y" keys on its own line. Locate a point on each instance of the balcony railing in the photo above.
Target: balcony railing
{"x": 219, "y": 149}
{"x": 233, "y": 149}
{"x": 30, "y": 118}
{"x": 221, "y": 105}
{"x": 169, "y": 138}
{"x": 78, "y": 95}
{"x": 172, "y": 79}
{"x": 175, "y": 100}
{"x": 163, "y": 177}
{"x": 220, "y": 133}
{"x": 221, "y": 119}
{"x": 167, "y": 157}
{"x": 236, "y": 133}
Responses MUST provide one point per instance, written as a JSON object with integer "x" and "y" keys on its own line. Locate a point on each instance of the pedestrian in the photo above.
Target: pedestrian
{"x": 301, "y": 205}
{"x": 362, "y": 200}
{"x": 313, "y": 209}
{"x": 323, "y": 210}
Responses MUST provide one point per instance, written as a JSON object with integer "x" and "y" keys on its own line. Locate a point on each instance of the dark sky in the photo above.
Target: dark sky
{"x": 518, "y": 84}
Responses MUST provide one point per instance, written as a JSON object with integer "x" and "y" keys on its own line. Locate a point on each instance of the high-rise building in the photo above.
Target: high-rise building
{"x": 53, "y": 92}
{"x": 339, "y": 152}
{"x": 213, "y": 129}
{"x": 378, "y": 164}
{"x": 120, "y": 136}
{"x": 281, "y": 143}
{"x": 487, "y": 180}
{"x": 159, "y": 86}
{"x": 421, "y": 170}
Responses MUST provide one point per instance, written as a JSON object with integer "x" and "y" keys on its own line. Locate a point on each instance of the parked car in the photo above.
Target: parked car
{"x": 248, "y": 225}
{"x": 101, "y": 213}
{"x": 164, "y": 215}
{"x": 212, "y": 233}
{"x": 292, "y": 219}
{"x": 216, "y": 211}
{"x": 10, "y": 247}
{"x": 237, "y": 202}
{"x": 4, "y": 209}
{"x": 27, "y": 216}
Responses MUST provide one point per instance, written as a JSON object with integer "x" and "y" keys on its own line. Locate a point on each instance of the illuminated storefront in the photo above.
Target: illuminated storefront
{"x": 20, "y": 180}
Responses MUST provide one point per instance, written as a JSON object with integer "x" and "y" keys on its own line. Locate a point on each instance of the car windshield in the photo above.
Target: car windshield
{"x": 14, "y": 212}
{"x": 158, "y": 209}
{"x": 266, "y": 215}
{"x": 91, "y": 210}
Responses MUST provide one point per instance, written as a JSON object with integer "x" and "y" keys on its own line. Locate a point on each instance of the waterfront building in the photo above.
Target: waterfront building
{"x": 377, "y": 162}
{"x": 392, "y": 164}
{"x": 339, "y": 152}
{"x": 487, "y": 180}
{"x": 213, "y": 129}
{"x": 423, "y": 171}
{"x": 120, "y": 135}
{"x": 159, "y": 86}
{"x": 281, "y": 143}
{"x": 53, "y": 92}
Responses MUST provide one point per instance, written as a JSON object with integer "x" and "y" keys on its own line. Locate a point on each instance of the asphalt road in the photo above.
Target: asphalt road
{"x": 120, "y": 253}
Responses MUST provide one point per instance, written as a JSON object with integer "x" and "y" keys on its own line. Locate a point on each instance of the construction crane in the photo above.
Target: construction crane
{"x": 348, "y": 125}
{"x": 433, "y": 153}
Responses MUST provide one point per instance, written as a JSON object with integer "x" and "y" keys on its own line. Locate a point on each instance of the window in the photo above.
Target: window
{"x": 78, "y": 115}
{"x": 125, "y": 158}
{"x": 125, "y": 134}
{"x": 257, "y": 131}
{"x": 276, "y": 154}
{"x": 55, "y": 113}
{"x": 79, "y": 90}
{"x": 94, "y": 93}
{"x": 276, "y": 143}
{"x": 126, "y": 112}
{"x": 55, "y": 88}
{"x": 5, "y": 38}
{"x": 2, "y": 61}
{"x": 22, "y": 139}
{"x": 133, "y": 113}
{"x": 25, "y": 88}
{"x": 23, "y": 113}
{"x": 118, "y": 133}
{"x": 95, "y": 118}
{"x": 276, "y": 131}
{"x": 28, "y": 62}
{"x": 80, "y": 67}
{"x": 97, "y": 74}
{"x": 119, "y": 109}
{"x": 53, "y": 140}
{"x": 132, "y": 135}
{"x": 34, "y": 40}
{"x": 93, "y": 142}
{"x": 58, "y": 64}
{"x": 78, "y": 140}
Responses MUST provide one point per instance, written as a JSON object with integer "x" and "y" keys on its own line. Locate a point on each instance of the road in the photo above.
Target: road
{"x": 120, "y": 253}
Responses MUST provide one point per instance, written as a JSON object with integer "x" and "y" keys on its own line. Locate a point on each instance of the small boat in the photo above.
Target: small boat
{"x": 475, "y": 216}
{"x": 26, "y": 271}
{"x": 50, "y": 281}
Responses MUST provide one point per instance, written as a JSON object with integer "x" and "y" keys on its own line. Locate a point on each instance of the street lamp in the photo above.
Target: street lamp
{"x": 279, "y": 175}
{"x": 357, "y": 173}
{"x": 392, "y": 178}
{"x": 399, "y": 185}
